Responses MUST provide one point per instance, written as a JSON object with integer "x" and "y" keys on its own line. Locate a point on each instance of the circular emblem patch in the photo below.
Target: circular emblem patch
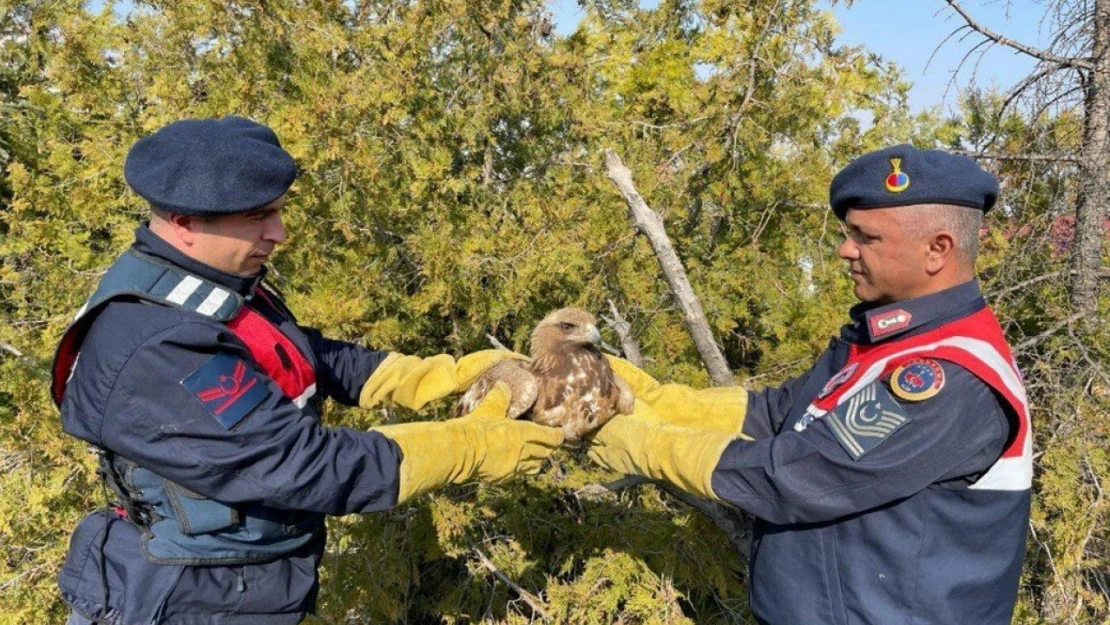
{"x": 898, "y": 181}
{"x": 917, "y": 380}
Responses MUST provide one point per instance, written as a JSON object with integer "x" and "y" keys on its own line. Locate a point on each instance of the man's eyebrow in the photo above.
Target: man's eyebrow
{"x": 861, "y": 229}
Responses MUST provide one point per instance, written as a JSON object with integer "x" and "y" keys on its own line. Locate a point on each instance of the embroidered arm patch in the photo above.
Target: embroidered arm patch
{"x": 227, "y": 388}
{"x": 867, "y": 419}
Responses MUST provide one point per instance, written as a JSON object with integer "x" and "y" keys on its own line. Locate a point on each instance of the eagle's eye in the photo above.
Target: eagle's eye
{"x": 566, "y": 326}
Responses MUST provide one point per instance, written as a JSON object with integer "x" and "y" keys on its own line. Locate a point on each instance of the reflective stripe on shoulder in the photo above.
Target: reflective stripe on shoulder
{"x": 1010, "y": 473}
{"x": 213, "y": 302}
{"x": 195, "y": 294}
{"x": 186, "y": 287}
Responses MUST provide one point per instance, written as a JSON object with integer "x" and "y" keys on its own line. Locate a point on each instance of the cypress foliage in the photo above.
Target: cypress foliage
{"x": 452, "y": 186}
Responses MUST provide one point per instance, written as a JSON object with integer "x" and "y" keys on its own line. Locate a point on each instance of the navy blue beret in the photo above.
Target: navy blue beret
{"x": 904, "y": 175}
{"x": 210, "y": 167}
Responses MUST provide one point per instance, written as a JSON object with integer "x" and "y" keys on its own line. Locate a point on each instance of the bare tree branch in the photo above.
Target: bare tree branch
{"x": 940, "y": 45}
{"x": 650, "y": 224}
{"x": 497, "y": 344}
{"x": 1033, "y": 340}
{"x": 1025, "y": 83}
{"x": 1036, "y": 53}
{"x": 1049, "y": 158}
{"x": 1050, "y": 102}
{"x": 629, "y": 344}
{"x": 1024, "y": 283}
{"x": 967, "y": 55}
{"x": 609, "y": 349}
{"x": 732, "y": 523}
{"x": 11, "y": 350}
{"x": 732, "y": 129}
{"x": 533, "y": 601}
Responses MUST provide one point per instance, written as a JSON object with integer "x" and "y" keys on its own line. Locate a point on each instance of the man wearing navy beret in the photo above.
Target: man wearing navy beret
{"x": 890, "y": 482}
{"x": 201, "y": 393}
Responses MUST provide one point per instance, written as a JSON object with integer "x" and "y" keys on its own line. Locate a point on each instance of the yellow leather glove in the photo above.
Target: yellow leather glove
{"x": 641, "y": 444}
{"x": 484, "y": 444}
{"x": 716, "y": 409}
{"x": 412, "y": 381}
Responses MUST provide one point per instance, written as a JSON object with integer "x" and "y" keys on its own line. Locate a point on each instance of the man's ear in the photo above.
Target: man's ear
{"x": 184, "y": 227}
{"x": 940, "y": 252}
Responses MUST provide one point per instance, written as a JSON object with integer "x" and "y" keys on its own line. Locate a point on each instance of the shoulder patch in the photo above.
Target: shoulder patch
{"x": 917, "y": 380}
{"x": 861, "y": 423}
{"x": 227, "y": 388}
{"x": 840, "y": 378}
{"x": 889, "y": 322}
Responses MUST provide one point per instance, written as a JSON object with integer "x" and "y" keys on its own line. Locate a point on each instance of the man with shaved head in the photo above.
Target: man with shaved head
{"x": 890, "y": 482}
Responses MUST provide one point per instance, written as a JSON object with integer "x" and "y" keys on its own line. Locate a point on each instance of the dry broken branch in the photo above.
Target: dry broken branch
{"x": 496, "y": 344}
{"x": 650, "y": 224}
{"x": 533, "y": 601}
{"x": 11, "y": 350}
{"x": 629, "y": 345}
{"x": 995, "y": 295}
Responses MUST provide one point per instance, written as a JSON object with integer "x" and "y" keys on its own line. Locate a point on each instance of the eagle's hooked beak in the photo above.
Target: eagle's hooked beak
{"x": 593, "y": 334}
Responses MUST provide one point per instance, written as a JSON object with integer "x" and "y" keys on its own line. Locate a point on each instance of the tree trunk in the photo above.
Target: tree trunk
{"x": 1094, "y": 171}
{"x": 650, "y": 225}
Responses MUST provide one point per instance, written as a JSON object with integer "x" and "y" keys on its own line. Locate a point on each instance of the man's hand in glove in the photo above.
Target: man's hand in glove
{"x": 483, "y": 444}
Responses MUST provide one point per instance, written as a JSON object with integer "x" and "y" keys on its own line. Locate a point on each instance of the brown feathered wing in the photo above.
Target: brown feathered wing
{"x": 522, "y": 384}
{"x": 577, "y": 393}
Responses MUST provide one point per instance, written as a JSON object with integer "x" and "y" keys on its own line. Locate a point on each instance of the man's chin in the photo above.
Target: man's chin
{"x": 251, "y": 268}
{"x": 865, "y": 294}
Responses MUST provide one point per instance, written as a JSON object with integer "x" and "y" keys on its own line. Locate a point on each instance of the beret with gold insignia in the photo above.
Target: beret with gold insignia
{"x": 904, "y": 176}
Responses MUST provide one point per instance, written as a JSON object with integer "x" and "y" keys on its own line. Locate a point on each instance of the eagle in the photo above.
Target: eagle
{"x": 567, "y": 383}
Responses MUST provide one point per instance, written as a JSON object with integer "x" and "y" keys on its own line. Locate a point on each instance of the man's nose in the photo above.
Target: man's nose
{"x": 848, "y": 250}
{"x": 275, "y": 229}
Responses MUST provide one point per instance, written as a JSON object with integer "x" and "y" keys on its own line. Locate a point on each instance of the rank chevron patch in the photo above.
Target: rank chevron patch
{"x": 866, "y": 420}
{"x": 227, "y": 388}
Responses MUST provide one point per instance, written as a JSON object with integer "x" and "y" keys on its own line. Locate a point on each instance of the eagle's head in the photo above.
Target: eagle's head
{"x": 565, "y": 330}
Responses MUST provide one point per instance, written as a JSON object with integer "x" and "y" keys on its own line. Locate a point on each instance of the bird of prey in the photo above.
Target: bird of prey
{"x": 567, "y": 383}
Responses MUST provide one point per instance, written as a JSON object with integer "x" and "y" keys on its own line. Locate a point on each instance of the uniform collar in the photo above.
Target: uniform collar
{"x": 875, "y": 324}
{"x": 146, "y": 242}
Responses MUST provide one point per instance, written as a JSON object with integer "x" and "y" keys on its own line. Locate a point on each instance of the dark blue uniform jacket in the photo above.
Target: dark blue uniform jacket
{"x": 894, "y": 537}
{"x": 126, "y": 395}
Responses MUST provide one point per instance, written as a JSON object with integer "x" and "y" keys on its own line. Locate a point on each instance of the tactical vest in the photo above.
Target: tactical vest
{"x": 180, "y": 526}
{"x": 977, "y": 344}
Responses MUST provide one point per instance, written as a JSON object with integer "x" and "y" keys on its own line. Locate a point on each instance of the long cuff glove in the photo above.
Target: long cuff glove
{"x": 484, "y": 444}
{"x": 639, "y": 444}
{"x": 412, "y": 382}
{"x": 717, "y": 409}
